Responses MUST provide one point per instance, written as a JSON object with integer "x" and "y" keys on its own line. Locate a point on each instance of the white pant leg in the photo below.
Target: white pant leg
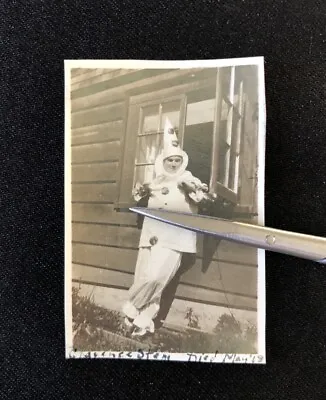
{"x": 163, "y": 264}
{"x": 142, "y": 265}
{"x": 141, "y": 275}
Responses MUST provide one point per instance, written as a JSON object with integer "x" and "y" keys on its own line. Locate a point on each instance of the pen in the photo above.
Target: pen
{"x": 295, "y": 244}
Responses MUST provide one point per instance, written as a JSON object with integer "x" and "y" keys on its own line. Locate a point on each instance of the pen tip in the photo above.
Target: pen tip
{"x": 136, "y": 209}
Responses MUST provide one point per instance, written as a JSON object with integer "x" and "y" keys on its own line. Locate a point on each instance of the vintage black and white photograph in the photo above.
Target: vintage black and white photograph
{"x": 176, "y": 135}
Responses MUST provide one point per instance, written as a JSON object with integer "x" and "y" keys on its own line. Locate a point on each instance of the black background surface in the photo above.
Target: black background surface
{"x": 36, "y": 36}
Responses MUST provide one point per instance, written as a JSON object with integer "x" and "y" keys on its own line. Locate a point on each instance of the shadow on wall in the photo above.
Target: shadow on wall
{"x": 210, "y": 245}
{"x": 219, "y": 208}
{"x": 168, "y": 295}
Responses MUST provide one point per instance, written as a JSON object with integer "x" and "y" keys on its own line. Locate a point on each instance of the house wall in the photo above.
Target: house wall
{"x": 104, "y": 241}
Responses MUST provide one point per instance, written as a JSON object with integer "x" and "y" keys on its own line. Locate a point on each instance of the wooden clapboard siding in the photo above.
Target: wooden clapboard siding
{"x": 112, "y": 128}
{"x": 220, "y": 275}
{"x": 85, "y": 78}
{"x": 123, "y": 79}
{"x": 97, "y": 115}
{"x": 101, "y": 256}
{"x": 75, "y": 71}
{"x": 97, "y": 192}
{"x": 226, "y": 251}
{"x": 249, "y": 150}
{"x": 166, "y": 78}
{"x": 101, "y": 213}
{"x": 105, "y": 234}
{"x": 80, "y": 71}
{"x": 107, "y": 171}
{"x": 117, "y": 279}
{"x": 98, "y": 134}
{"x": 247, "y": 177}
{"x": 98, "y": 255}
{"x": 98, "y": 75}
{"x": 233, "y": 278}
{"x": 128, "y": 237}
{"x": 173, "y": 90}
{"x": 95, "y": 152}
{"x": 215, "y": 297}
{"x": 91, "y": 137}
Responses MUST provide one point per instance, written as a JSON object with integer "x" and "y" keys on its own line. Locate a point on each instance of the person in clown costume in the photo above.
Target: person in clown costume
{"x": 161, "y": 246}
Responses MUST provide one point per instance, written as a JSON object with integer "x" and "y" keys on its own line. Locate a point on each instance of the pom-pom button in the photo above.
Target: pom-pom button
{"x": 153, "y": 240}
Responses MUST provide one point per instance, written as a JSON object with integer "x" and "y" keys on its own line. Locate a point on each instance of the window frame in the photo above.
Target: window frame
{"x": 130, "y": 143}
{"x": 215, "y": 186}
{"x": 160, "y": 103}
{"x": 180, "y": 92}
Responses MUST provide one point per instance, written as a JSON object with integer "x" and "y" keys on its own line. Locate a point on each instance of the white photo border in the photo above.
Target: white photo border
{"x": 70, "y": 353}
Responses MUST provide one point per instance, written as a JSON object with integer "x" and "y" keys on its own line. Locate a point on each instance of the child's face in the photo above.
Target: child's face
{"x": 172, "y": 164}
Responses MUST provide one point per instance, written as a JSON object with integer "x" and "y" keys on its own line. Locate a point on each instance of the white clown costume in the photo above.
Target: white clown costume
{"x": 161, "y": 245}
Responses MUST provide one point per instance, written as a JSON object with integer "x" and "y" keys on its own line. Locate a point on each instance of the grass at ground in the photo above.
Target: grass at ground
{"x": 96, "y": 328}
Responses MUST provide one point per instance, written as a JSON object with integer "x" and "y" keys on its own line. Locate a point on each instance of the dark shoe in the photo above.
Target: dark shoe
{"x": 128, "y": 326}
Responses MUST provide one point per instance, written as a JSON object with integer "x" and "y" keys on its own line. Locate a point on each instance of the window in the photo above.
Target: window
{"x": 228, "y": 134}
{"x": 209, "y": 116}
{"x": 150, "y": 136}
{"x": 198, "y": 137}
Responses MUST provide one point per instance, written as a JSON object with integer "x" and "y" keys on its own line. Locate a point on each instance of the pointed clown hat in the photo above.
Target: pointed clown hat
{"x": 171, "y": 148}
{"x": 170, "y": 142}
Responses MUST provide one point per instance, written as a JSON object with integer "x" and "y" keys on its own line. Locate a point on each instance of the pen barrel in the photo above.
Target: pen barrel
{"x": 296, "y": 244}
